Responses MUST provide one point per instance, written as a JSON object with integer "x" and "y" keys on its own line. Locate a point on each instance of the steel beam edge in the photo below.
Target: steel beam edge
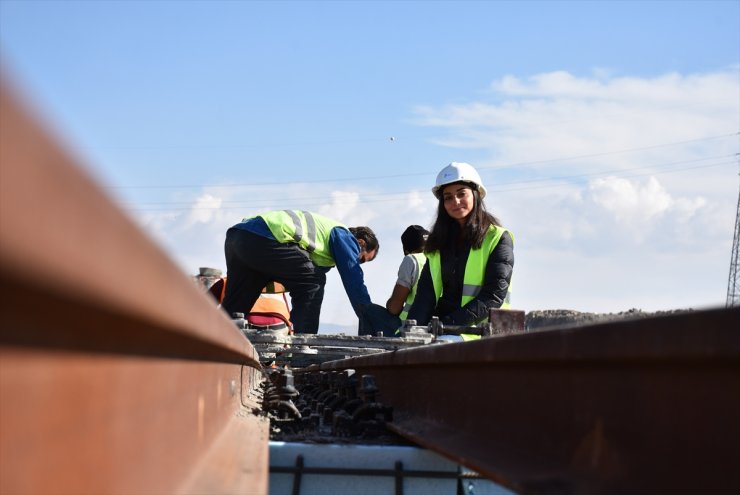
{"x": 117, "y": 374}
{"x": 648, "y": 405}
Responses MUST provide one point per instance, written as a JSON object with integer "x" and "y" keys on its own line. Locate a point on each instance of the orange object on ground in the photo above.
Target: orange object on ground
{"x": 270, "y": 310}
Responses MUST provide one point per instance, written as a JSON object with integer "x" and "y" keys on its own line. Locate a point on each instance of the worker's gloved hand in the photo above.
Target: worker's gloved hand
{"x": 374, "y": 318}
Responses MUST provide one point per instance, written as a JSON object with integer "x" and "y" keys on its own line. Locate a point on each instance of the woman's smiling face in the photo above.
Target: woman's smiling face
{"x": 459, "y": 201}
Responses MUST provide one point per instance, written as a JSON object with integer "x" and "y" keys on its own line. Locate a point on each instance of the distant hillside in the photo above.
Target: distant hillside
{"x": 535, "y": 320}
{"x": 334, "y": 329}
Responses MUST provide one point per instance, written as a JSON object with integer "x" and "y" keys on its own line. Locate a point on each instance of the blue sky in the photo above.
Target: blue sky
{"x": 606, "y": 132}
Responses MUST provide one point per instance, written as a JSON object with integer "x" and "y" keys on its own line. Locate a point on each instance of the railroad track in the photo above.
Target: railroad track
{"x": 117, "y": 375}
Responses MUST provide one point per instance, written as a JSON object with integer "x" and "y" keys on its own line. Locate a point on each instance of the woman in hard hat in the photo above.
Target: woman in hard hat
{"x": 470, "y": 255}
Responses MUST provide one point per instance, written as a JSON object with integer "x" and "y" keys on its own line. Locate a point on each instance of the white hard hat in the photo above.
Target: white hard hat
{"x": 458, "y": 172}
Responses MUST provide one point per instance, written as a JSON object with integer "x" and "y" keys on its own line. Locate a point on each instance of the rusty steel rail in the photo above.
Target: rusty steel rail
{"x": 117, "y": 375}
{"x": 642, "y": 406}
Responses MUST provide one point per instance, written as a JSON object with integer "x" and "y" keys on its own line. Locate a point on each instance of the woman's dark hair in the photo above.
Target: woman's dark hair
{"x": 367, "y": 235}
{"x": 446, "y": 230}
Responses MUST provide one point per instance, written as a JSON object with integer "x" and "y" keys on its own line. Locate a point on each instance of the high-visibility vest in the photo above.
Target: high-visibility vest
{"x": 218, "y": 289}
{"x": 420, "y": 259}
{"x": 309, "y": 230}
{"x": 475, "y": 271}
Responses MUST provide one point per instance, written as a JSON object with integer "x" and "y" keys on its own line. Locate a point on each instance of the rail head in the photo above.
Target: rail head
{"x": 62, "y": 235}
{"x": 117, "y": 374}
{"x": 642, "y": 406}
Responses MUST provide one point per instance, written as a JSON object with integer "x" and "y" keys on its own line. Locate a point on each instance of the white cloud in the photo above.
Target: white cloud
{"x": 687, "y": 208}
{"x": 629, "y": 201}
{"x": 668, "y": 88}
{"x": 204, "y": 210}
{"x": 343, "y": 208}
{"x": 557, "y": 115}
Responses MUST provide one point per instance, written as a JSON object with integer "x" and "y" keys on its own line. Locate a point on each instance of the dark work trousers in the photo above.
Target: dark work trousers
{"x": 252, "y": 261}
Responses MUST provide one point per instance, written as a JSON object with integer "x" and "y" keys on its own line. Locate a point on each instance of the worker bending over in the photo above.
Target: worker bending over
{"x": 296, "y": 248}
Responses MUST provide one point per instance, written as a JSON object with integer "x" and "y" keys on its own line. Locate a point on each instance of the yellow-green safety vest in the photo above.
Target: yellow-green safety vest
{"x": 475, "y": 272}
{"x": 420, "y": 259}
{"x": 309, "y": 230}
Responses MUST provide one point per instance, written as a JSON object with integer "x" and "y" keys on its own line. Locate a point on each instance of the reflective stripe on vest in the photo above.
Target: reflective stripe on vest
{"x": 309, "y": 230}
{"x": 475, "y": 271}
{"x": 310, "y": 238}
{"x": 420, "y": 259}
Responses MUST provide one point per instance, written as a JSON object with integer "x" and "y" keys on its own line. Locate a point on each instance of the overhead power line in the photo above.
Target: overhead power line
{"x": 523, "y": 181}
{"x": 617, "y": 152}
{"x": 403, "y": 195}
{"x": 419, "y": 174}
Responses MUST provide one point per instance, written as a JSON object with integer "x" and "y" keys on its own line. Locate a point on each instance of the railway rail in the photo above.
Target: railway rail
{"x": 117, "y": 375}
{"x": 643, "y": 406}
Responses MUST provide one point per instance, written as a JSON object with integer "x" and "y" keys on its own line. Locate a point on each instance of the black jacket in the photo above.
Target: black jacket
{"x": 492, "y": 293}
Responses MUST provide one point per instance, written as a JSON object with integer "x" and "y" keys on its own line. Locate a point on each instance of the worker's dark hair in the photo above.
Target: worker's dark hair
{"x": 446, "y": 231}
{"x": 367, "y": 235}
{"x": 413, "y": 239}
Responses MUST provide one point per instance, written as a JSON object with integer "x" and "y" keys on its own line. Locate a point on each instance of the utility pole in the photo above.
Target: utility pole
{"x": 733, "y": 284}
